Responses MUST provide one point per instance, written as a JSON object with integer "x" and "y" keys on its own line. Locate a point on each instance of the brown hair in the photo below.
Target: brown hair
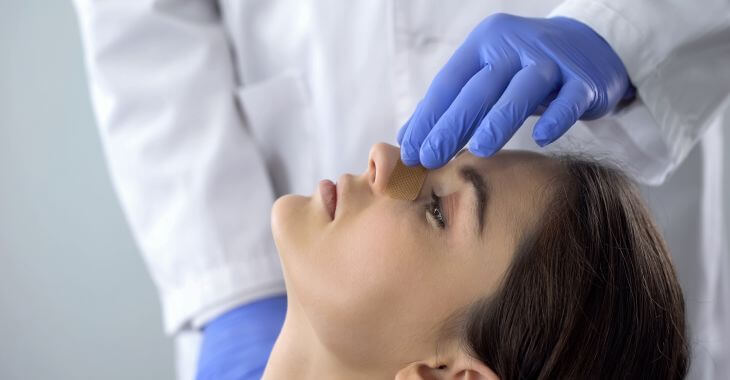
{"x": 591, "y": 292}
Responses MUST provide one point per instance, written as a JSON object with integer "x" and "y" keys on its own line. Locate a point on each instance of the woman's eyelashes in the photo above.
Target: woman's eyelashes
{"x": 435, "y": 212}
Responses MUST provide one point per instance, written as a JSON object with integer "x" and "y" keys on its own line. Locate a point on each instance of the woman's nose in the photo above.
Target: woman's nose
{"x": 381, "y": 161}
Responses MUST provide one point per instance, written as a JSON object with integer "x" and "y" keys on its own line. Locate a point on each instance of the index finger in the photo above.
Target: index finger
{"x": 444, "y": 88}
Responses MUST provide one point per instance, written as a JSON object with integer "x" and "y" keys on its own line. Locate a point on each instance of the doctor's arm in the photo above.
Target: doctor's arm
{"x": 191, "y": 182}
{"x": 577, "y": 64}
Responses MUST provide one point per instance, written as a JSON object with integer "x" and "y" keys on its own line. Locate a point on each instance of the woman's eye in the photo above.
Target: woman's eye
{"x": 435, "y": 212}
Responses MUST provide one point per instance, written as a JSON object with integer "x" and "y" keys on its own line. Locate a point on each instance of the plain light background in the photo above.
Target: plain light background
{"x": 76, "y": 301}
{"x": 75, "y": 298}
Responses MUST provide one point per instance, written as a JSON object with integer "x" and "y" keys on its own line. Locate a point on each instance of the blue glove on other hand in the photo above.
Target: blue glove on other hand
{"x": 508, "y": 67}
{"x": 237, "y": 344}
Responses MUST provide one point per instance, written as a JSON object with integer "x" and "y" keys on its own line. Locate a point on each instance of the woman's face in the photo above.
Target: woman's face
{"x": 378, "y": 279}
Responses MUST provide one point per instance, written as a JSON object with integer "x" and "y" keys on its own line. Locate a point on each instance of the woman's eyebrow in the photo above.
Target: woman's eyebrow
{"x": 481, "y": 190}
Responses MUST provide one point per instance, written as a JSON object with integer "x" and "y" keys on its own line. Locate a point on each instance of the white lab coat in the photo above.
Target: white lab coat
{"x": 209, "y": 110}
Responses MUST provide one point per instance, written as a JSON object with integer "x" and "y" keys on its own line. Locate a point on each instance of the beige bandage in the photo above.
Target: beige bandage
{"x": 406, "y": 181}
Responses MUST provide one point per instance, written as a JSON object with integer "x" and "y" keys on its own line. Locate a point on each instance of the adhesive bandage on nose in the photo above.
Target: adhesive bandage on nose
{"x": 406, "y": 181}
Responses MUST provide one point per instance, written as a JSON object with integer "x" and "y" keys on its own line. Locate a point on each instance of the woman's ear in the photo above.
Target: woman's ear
{"x": 465, "y": 367}
{"x": 460, "y": 366}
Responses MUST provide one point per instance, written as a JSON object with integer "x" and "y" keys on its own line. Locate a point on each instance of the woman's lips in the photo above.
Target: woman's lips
{"x": 328, "y": 191}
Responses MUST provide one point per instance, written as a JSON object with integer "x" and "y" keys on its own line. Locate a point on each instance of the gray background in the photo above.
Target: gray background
{"x": 75, "y": 299}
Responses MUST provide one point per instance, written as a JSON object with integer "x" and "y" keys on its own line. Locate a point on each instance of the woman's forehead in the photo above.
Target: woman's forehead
{"x": 504, "y": 159}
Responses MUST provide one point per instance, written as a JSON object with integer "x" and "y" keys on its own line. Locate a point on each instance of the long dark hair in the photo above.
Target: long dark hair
{"x": 591, "y": 292}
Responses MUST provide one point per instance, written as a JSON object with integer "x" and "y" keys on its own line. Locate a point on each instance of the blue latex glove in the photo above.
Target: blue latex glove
{"x": 506, "y": 69}
{"x": 237, "y": 344}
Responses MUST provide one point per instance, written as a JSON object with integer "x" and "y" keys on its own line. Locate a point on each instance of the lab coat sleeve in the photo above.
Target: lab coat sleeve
{"x": 678, "y": 56}
{"x": 190, "y": 180}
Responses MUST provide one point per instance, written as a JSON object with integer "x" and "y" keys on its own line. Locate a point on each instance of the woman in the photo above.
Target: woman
{"x": 519, "y": 266}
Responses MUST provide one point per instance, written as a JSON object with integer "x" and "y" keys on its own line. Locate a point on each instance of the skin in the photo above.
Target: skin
{"x": 369, "y": 290}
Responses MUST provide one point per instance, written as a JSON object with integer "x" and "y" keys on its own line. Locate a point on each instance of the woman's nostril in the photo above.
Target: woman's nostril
{"x": 382, "y": 158}
{"x": 372, "y": 171}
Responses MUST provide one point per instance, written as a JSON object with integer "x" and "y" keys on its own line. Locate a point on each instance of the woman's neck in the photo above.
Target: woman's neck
{"x": 299, "y": 354}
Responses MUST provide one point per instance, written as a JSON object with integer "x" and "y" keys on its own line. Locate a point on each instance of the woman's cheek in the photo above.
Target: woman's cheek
{"x": 382, "y": 257}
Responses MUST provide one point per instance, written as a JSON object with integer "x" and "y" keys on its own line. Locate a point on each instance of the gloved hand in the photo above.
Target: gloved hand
{"x": 506, "y": 68}
{"x": 237, "y": 344}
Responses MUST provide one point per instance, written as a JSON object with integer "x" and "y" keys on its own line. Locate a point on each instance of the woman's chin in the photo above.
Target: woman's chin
{"x": 285, "y": 218}
{"x": 294, "y": 222}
